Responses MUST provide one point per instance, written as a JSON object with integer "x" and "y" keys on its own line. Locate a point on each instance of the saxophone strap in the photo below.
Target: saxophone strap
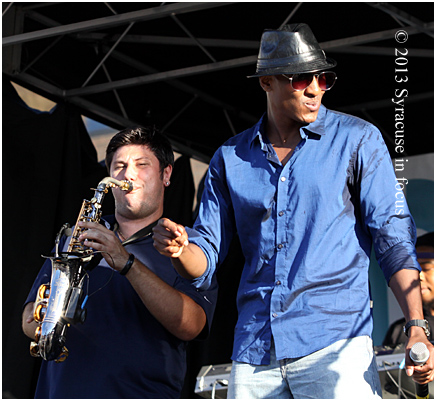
{"x": 142, "y": 233}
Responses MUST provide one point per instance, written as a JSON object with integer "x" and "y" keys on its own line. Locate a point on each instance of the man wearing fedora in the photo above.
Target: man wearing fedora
{"x": 309, "y": 191}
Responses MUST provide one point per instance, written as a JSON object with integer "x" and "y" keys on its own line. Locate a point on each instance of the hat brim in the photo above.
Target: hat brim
{"x": 297, "y": 68}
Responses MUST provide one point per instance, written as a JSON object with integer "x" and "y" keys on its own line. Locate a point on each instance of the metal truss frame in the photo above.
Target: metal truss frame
{"x": 81, "y": 32}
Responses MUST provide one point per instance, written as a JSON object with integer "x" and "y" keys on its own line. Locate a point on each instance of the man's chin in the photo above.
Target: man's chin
{"x": 309, "y": 118}
{"x": 125, "y": 210}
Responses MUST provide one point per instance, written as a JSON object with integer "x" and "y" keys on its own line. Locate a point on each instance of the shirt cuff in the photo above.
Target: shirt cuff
{"x": 204, "y": 281}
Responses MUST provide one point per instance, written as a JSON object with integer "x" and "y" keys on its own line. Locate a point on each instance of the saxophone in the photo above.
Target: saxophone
{"x": 60, "y": 303}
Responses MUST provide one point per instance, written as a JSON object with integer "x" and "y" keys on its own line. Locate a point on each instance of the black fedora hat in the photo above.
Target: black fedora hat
{"x": 290, "y": 50}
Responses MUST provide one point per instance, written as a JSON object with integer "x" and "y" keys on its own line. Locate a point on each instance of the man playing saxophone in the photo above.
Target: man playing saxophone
{"x": 140, "y": 313}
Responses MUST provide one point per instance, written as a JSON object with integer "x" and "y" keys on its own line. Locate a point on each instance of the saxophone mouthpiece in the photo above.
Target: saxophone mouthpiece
{"x": 129, "y": 186}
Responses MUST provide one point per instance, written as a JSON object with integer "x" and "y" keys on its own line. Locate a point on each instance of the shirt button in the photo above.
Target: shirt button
{"x": 281, "y": 213}
{"x": 283, "y": 179}
{"x": 278, "y": 282}
{"x": 274, "y": 315}
{"x": 280, "y": 246}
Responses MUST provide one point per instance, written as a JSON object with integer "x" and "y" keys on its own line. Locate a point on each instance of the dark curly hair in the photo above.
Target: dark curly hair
{"x": 148, "y": 136}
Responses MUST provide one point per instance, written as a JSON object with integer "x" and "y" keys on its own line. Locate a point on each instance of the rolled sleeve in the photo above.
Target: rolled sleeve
{"x": 205, "y": 280}
{"x": 398, "y": 257}
{"x": 383, "y": 206}
{"x": 215, "y": 225}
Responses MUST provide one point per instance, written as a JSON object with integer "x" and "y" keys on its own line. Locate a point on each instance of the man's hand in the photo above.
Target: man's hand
{"x": 170, "y": 239}
{"x": 28, "y": 323}
{"x": 406, "y": 287}
{"x": 101, "y": 239}
{"x": 420, "y": 374}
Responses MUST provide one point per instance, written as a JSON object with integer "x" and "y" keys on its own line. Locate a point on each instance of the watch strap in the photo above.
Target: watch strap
{"x": 419, "y": 323}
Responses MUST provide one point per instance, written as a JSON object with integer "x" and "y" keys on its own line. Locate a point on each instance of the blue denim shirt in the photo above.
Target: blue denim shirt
{"x": 306, "y": 231}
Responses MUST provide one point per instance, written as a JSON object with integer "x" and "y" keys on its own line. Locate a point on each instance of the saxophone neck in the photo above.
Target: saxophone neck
{"x": 124, "y": 185}
{"x": 91, "y": 210}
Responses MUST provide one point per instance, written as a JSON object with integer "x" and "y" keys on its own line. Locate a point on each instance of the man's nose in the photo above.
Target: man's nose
{"x": 130, "y": 172}
{"x": 313, "y": 89}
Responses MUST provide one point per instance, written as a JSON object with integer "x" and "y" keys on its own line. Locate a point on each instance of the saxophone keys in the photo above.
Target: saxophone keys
{"x": 38, "y": 333}
{"x": 40, "y": 312}
{"x": 63, "y": 355}
{"x": 44, "y": 291}
{"x": 34, "y": 349}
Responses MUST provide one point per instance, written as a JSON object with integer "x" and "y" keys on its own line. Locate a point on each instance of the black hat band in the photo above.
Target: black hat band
{"x": 297, "y": 58}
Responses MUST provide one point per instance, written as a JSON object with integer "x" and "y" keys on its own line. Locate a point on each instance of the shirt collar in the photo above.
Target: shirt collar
{"x": 317, "y": 127}
{"x": 258, "y": 131}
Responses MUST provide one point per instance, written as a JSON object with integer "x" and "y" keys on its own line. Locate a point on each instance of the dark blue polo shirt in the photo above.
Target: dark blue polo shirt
{"x": 121, "y": 351}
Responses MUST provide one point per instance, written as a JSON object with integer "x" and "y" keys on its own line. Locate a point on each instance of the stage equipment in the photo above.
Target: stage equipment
{"x": 212, "y": 380}
{"x": 394, "y": 381}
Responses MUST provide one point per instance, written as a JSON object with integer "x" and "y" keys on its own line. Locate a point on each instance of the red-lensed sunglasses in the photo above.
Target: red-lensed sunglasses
{"x": 299, "y": 82}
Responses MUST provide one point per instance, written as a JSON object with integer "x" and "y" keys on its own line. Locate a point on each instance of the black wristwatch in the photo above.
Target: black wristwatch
{"x": 417, "y": 322}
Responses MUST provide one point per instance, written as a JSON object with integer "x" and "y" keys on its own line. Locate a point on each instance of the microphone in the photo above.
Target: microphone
{"x": 419, "y": 354}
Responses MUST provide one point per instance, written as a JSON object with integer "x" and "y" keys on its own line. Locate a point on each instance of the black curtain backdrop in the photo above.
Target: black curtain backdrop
{"x": 49, "y": 167}
{"x": 179, "y": 196}
{"x": 217, "y": 348}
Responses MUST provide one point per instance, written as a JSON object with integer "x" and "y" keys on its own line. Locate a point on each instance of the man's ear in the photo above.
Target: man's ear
{"x": 265, "y": 82}
{"x": 167, "y": 173}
